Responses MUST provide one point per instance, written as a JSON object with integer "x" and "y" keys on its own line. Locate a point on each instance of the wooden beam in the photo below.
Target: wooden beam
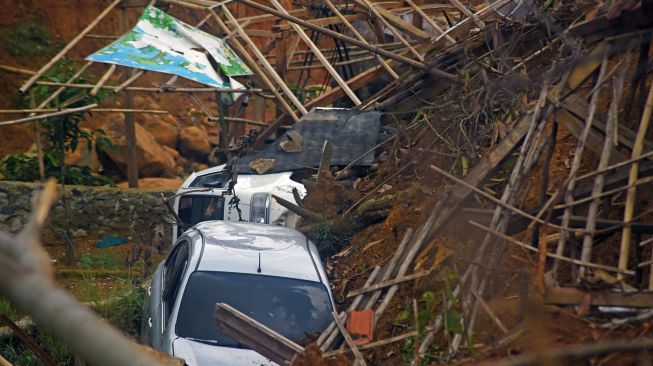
{"x": 574, "y": 296}
{"x": 255, "y": 335}
{"x": 28, "y": 84}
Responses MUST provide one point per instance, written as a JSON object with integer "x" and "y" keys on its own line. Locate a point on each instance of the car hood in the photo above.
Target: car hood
{"x": 200, "y": 354}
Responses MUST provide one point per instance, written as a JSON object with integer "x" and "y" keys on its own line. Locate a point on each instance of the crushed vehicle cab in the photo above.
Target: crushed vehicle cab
{"x": 207, "y": 195}
{"x": 271, "y": 273}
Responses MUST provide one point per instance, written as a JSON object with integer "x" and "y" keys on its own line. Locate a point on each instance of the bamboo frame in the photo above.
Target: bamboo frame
{"x": 28, "y": 84}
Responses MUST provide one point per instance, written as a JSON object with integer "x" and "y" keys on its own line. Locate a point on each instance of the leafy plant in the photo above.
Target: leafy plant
{"x": 307, "y": 94}
{"x": 61, "y": 134}
{"x": 103, "y": 260}
{"x": 28, "y": 38}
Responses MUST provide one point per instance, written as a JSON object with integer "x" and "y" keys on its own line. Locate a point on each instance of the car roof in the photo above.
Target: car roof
{"x": 245, "y": 247}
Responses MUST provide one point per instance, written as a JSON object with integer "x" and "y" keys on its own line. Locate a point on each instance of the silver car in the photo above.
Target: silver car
{"x": 271, "y": 273}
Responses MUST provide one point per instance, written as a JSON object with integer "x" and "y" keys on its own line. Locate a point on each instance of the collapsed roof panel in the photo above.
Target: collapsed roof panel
{"x": 351, "y": 132}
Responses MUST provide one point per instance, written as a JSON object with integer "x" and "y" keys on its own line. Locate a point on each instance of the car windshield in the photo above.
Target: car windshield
{"x": 292, "y": 307}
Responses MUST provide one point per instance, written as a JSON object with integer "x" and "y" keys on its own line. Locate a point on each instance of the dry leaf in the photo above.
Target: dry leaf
{"x": 261, "y": 166}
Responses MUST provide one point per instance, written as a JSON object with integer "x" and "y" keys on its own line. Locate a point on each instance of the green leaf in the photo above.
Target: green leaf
{"x": 453, "y": 322}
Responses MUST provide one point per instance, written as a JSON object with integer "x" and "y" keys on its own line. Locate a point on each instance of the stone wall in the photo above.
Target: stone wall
{"x": 92, "y": 212}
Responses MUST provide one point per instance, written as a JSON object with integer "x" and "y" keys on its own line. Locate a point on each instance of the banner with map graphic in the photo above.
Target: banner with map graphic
{"x": 165, "y": 44}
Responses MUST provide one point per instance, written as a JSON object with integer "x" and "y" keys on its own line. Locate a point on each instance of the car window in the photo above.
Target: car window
{"x": 173, "y": 272}
{"x": 294, "y": 308}
{"x": 194, "y": 209}
{"x": 214, "y": 180}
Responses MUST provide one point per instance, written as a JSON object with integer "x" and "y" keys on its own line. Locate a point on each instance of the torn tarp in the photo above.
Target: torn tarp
{"x": 162, "y": 43}
{"x": 351, "y": 132}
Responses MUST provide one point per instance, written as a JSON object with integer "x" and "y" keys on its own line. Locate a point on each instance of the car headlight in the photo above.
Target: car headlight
{"x": 260, "y": 208}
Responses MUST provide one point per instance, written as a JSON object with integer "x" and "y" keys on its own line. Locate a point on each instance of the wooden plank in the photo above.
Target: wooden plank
{"x": 255, "y": 335}
{"x": 574, "y": 296}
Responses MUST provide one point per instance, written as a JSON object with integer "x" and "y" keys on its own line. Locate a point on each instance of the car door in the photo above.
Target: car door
{"x": 173, "y": 273}
{"x": 163, "y": 282}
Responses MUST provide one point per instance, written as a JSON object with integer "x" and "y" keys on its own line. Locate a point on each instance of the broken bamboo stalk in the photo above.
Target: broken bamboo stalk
{"x": 489, "y": 312}
{"x": 48, "y": 115}
{"x": 631, "y": 193}
{"x": 68, "y": 47}
{"x": 468, "y": 13}
{"x": 325, "y": 161}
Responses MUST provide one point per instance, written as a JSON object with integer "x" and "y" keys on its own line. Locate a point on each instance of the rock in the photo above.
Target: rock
{"x": 198, "y": 167}
{"x": 84, "y": 155}
{"x": 156, "y": 183}
{"x": 164, "y": 128}
{"x": 153, "y": 159}
{"x": 213, "y": 132}
{"x": 194, "y": 143}
{"x": 290, "y": 146}
{"x": 262, "y": 166}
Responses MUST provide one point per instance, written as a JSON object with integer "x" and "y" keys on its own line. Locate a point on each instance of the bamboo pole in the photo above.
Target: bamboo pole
{"x": 266, "y": 64}
{"x": 307, "y": 40}
{"x": 330, "y": 33}
{"x": 154, "y": 90}
{"x": 48, "y": 115}
{"x": 259, "y": 72}
{"x": 350, "y": 342}
{"x": 468, "y": 13}
{"x": 392, "y": 29}
{"x": 360, "y": 37}
{"x": 39, "y": 144}
{"x": 103, "y": 80}
{"x": 599, "y": 182}
{"x": 69, "y": 46}
{"x": 631, "y": 193}
{"x": 429, "y": 20}
{"x": 128, "y": 82}
{"x": 101, "y": 110}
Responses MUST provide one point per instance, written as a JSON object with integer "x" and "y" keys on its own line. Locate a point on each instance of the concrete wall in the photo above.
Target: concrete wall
{"x": 93, "y": 212}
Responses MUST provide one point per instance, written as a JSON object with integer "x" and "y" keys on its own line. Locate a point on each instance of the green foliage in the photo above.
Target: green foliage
{"x": 15, "y": 351}
{"x": 307, "y": 94}
{"x": 61, "y": 134}
{"x": 27, "y": 39}
{"x": 8, "y": 310}
{"x": 104, "y": 260}
{"x": 327, "y": 241}
{"x": 126, "y": 313}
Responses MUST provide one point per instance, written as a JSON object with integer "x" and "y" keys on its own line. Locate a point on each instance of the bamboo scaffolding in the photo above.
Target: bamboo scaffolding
{"x": 153, "y": 90}
{"x": 372, "y": 8}
{"x": 68, "y": 47}
{"x": 339, "y": 36}
{"x": 428, "y": 19}
{"x": 48, "y": 115}
{"x": 355, "y": 32}
{"x": 631, "y": 193}
{"x": 307, "y": 40}
{"x": 103, "y": 80}
{"x": 266, "y": 65}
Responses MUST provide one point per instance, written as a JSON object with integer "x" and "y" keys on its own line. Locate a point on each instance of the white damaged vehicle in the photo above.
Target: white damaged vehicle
{"x": 207, "y": 195}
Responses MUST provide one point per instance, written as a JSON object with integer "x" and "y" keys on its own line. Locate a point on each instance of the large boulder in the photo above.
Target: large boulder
{"x": 194, "y": 143}
{"x": 84, "y": 155}
{"x": 153, "y": 159}
{"x": 164, "y": 127}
